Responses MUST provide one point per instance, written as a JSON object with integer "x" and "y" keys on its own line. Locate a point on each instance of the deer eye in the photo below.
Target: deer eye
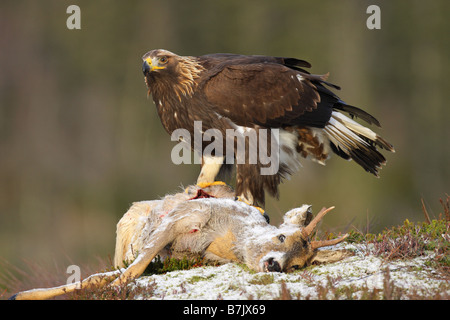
{"x": 281, "y": 237}
{"x": 295, "y": 267}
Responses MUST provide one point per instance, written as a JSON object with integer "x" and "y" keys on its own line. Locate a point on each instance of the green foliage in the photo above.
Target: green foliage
{"x": 262, "y": 279}
{"x": 410, "y": 240}
{"x": 160, "y": 266}
{"x": 196, "y": 279}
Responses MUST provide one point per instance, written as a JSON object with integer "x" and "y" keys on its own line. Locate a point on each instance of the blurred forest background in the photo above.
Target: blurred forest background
{"x": 80, "y": 140}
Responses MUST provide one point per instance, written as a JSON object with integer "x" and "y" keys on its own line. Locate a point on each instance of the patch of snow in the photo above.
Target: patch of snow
{"x": 233, "y": 282}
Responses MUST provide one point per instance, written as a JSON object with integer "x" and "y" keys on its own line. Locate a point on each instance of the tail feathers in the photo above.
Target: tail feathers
{"x": 338, "y": 104}
{"x": 356, "y": 112}
{"x": 350, "y": 140}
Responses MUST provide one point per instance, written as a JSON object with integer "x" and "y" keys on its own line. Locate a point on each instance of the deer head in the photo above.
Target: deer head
{"x": 289, "y": 247}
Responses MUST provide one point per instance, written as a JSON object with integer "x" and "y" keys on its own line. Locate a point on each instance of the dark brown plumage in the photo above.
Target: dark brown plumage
{"x": 228, "y": 91}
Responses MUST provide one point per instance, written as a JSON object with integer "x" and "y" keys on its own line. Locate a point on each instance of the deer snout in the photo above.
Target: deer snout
{"x": 272, "y": 265}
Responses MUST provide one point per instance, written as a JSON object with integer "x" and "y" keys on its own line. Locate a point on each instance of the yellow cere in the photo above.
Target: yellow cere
{"x": 153, "y": 67}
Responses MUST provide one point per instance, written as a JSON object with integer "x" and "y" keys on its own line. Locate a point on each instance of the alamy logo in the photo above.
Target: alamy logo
{"x": 74, "y": 20}
{"x": 75, "y": 275}
{"x": 242, "y": 145}
{"x": 374, "y": 20}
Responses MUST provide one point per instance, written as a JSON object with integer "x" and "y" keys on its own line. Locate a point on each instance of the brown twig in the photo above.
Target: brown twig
{"x": 446, "y": 206}
{"x": 425, "y": 212}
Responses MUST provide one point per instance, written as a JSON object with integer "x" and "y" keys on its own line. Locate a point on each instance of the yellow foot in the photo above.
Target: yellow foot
{"x": 246, "y": 202}
{"x": 203, "y": 185}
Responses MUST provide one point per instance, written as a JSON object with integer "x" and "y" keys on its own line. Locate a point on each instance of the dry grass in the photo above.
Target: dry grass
{"x": 124, "y": 291}
{"x": 412, "y": 240}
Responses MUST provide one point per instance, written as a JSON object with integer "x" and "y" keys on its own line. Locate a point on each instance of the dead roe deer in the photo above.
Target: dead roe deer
{"x": 207, "y": 223}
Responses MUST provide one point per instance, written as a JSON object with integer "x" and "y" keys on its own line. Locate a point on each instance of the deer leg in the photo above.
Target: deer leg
{"x": 159, "y": 239}
{"x": 139, "y": 265}
{"x": 97, "y": 280}
{"x": 184, "y": 218}
{"x": 133, "y": 222}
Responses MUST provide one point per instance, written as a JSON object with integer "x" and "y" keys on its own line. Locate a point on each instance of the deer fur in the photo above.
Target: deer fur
{"x": 211, "y": 224}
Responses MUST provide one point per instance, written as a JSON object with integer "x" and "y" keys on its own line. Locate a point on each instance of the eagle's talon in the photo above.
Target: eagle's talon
{"x": 261, "y": 210}
{"x": 204, "y": 185}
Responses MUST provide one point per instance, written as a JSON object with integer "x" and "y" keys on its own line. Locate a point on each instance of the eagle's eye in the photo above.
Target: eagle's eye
{"x": 163, "y": 59}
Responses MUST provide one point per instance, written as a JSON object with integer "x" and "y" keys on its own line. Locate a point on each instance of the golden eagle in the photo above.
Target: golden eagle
{"x": 252, "y": 93}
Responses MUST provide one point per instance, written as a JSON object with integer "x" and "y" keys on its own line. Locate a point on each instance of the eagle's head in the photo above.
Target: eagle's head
{"x": 157, "y": 60}
{"x": 167, "y": 73}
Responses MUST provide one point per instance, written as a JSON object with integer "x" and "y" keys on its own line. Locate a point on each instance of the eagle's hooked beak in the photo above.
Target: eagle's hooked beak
{"x": 146, "y": 67}
{"x": 149, "y": 66}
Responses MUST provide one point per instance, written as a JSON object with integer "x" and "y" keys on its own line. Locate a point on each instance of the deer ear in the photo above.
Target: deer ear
{"x": 299, "y": 216}
{"x": 329, "y": 256}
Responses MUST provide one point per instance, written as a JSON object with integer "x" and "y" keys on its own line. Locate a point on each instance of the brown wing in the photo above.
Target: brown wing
{"x": 263, "y": 93}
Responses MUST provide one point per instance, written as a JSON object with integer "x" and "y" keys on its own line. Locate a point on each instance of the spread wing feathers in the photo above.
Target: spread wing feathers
{"x": 265, "y": 93}
{"x": 273, "y": 92}
{"x": 350, "y": 140}
{"x": 278, "y": 92}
